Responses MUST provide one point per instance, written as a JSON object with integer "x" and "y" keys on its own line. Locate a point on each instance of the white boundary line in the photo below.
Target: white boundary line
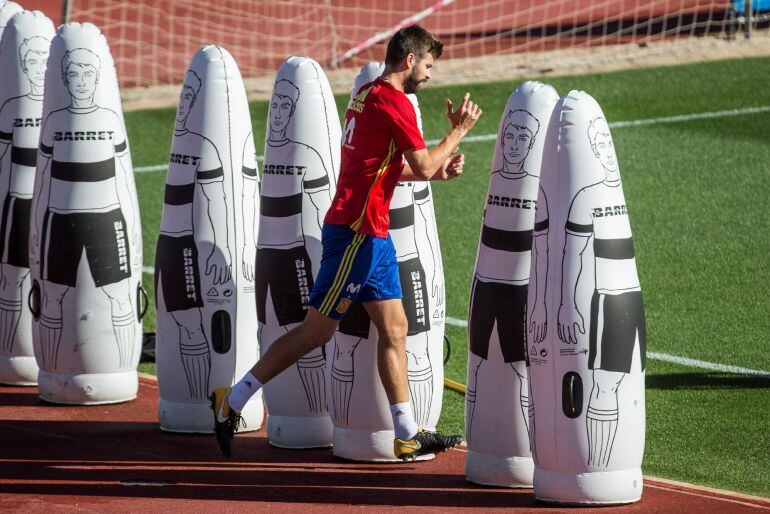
{"x": 683, "y": 361}
{"x": 615, "y": 124}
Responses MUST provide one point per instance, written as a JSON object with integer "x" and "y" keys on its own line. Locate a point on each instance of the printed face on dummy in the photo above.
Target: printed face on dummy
{"x": 186, "y": 101}
{"x": 516, "y": 144}
{"x": 281, "y": 109}
{"x": 604, "y": 150}
{"x": 34, "y": 66}
{"x": 420, "y": 73}
{"x": 81, "y": 80}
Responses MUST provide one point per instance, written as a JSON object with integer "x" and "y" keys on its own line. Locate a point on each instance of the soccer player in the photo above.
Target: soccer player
{"x": 617, "y": 319}
{"x": 381, "y": 146}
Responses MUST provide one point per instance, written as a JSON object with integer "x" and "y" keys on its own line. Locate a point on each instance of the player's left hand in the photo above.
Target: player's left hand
{"x": 453, "y": 167}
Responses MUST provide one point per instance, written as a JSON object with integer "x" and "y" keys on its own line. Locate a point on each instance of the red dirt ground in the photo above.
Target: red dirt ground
{"x": 114, "y": 458}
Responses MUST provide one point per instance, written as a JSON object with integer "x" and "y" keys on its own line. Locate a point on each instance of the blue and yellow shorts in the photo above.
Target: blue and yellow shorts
{"x": 354, "y": 268}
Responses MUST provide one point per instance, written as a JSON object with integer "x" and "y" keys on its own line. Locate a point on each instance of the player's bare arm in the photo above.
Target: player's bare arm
{"x": 438, "y": 162}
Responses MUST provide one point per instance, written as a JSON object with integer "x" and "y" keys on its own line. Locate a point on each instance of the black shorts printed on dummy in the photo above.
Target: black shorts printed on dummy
{"x": 414, "y": 288}
{"x": 103, "y": 236}
{"x": 14, "y": 231}
{"x": 176, "y": 268}
{"x": 355, "y": 322}
{"x": 506, "y": 304}
{"x": 615, "y": 321}
{"x": 288, "y": 275}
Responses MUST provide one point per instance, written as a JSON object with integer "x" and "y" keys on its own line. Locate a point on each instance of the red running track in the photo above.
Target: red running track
{"x": 114, "y": 458}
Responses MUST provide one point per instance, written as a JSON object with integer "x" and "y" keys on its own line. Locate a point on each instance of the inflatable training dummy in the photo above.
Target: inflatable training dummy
{"x": 587, "y": 372}
{"x": 85, "y": 244}
{"x": 204, "y": 263}
{"x": 302, "y": 155}
{"x": 24, "y": 49}
{"x": 497, "y": 408}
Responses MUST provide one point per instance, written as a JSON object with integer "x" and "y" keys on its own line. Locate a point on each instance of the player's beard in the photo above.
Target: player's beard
{"x": 413, "y": 82}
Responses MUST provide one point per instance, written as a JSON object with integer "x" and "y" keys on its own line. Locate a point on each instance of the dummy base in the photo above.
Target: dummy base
{"x": 299, "y": 432}
{"x": 499, "y": 471}
{"x": 597, "y": 488}
{"x": 367, "y": 446}
{"x": 18, "y": 371}
{"x": 198, "y": 418}
{"x": 88, "y": 389}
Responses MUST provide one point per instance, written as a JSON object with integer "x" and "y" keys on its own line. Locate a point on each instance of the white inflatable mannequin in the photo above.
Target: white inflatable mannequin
{"x": 206, "y": 250}
{"x": 7, "y": 10}
{"x": 360, "y": 411}
{"x": 497, "y": 398}
{"x": 85, "y": 244}
{"x": 302, "y": 155}
{"x": 24, "y": 49}
{"x": 587, "y": 373}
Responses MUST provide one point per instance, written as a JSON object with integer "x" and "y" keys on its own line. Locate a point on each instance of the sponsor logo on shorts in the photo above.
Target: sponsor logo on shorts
{"x": 26, "y": 122}
{"x": 353, "y": 288}
{"x": 189, "y": 274}
{"x": 343, "y": 306}
{"x": 120, "y": 238}
{"x": 84, "y": 135}
{"x": 513, "y": 203}
{"x": 304, "y": 290}
{"x": 613, "y": 210}
{"x": 419, "y": 301}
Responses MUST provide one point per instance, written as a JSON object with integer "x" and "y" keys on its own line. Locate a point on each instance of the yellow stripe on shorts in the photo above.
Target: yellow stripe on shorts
{"x": 342, "y": 274}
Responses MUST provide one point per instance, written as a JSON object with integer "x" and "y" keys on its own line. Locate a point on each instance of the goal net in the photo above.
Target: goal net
{"x": 153, "y": 40}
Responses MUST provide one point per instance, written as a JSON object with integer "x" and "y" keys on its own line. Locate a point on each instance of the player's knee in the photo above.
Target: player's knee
{"x": 394, "y": 334}
{"x": 316, "y": 335}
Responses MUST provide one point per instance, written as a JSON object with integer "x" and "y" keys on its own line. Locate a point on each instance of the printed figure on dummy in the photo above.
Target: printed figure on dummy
{"x": 19, "y": 129}
{"x": 24, "y": 54}
{"x": 284, "y": 267}
{"x": 176, "y": 257}
{"x": 204, "y": 266}
{"x": 91, "y": 165}
{"x": 617, "y": 314}
{"x": 499, "y": 295}
{"x": 587, "y": 374}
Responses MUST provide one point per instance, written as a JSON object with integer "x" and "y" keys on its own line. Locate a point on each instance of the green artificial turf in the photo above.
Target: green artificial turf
{"x": 697, "y": 193}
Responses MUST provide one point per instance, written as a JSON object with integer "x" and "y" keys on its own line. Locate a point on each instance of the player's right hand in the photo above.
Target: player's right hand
{"x": 570, "y": 322}
{"x": 466, "y": 116}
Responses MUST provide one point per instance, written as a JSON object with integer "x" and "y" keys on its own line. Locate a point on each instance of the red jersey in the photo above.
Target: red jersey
{"x": 380, "y": 126}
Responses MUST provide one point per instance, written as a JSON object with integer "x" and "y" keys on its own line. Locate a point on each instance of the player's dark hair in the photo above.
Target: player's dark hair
{"x": 412, "y": 40}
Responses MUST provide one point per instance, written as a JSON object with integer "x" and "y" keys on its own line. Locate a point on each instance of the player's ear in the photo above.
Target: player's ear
{"x": 411, "y": 60}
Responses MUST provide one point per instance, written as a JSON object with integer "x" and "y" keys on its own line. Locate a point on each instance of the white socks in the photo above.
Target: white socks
{"x": 404, "y": 425}
{"x": 242, "y": 392}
